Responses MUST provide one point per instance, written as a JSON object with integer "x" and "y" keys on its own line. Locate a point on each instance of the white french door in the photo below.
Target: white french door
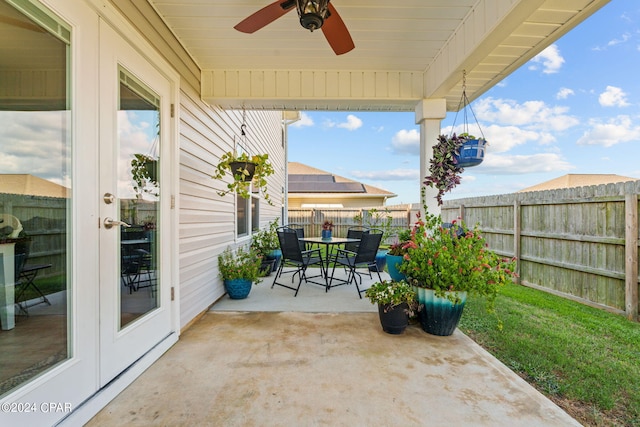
{"x": 135, "y": 260}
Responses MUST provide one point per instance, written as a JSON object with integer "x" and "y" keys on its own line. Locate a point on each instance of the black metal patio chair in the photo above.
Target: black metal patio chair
{"x": 300, "y": 231}
{"x": 355, "y": 232}
{"x": 300, "y": 260}
{"x": 364, "y": 257}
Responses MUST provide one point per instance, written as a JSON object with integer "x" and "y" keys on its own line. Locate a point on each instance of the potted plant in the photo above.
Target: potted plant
{"x": 327, "y": 228}
{"x": 239, "y": 271}
{"x": 265, "y": 243}
{"x": 447, "y": 262}
{"x": 144, "y": 170}
{"x": 471, "y": 152}
{"x": 396, "y": 254}
{"x": 381, "y": 220}
{"x": 445, "y": 165}
{"x": 396, "y": 302}
{"x": 244, "y": 170}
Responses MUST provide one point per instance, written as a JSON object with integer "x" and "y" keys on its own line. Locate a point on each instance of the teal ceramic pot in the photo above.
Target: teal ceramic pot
{"x": 326, "y": 234}
{"x": 277, "y": 255}
{"x": 393, "y": 262}
{"x": 439, "y": 315}
{"x": 394, "y": 320}
{"x": 238, "y": 288}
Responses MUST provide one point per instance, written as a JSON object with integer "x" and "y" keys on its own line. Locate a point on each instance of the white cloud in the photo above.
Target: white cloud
{"x": 564, "y": 93}
{"x": 305, "y": 121}
{"x": 624, "y": 38}
{"x": 613, "y": 97}
{"x": 523, "y": 164}
{"x": 389, "y": 175}
{"x": 352, "y": 123}
{"x": 35, "y": 142}
{"x": 508, "y": 111}
{"x": 532, "y": 115}
{"x": 406, "y": 142}
{"x": 616, "y": 130}
{"x": 501, "y": 138}
{"x": 550, "y": 58}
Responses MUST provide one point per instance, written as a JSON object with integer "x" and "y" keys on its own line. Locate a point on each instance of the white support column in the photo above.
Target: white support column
{"x": 429, "y": 114}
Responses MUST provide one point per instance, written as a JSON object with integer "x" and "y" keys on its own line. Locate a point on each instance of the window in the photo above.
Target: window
{"x": 35, "y": 148}
{"x": 255, "y": 214}
{"x": 242, "y": 216}
{"x": 247, "y": 215}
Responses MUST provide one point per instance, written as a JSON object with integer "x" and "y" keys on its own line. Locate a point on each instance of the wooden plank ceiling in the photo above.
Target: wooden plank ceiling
{"x": 405, "y": 50}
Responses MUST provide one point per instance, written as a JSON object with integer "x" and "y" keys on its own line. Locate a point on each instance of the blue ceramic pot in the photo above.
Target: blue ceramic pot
{"x": 471, "y": 153}
{"x": 439, "y": 315}
{"x": 238, "y": 288}
{"x": 393, "y": 262}
{"x": 381, "y": 260}
{"x": 326, "y": 234}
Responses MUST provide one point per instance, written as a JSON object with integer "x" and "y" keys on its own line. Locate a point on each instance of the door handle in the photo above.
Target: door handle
{"x": 110, "y": 222}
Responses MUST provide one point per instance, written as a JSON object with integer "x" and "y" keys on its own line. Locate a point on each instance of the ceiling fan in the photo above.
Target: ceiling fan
{"x": 313, "y": 14}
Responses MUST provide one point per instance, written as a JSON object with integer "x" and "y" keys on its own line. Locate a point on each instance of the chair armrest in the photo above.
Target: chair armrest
{"x": 310, "y": 252}
{"x": 345, "y": 252}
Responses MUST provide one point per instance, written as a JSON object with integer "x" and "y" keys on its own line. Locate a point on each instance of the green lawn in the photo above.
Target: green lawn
{"x": 586, "y": 360}
{"x": 48, "y": 285}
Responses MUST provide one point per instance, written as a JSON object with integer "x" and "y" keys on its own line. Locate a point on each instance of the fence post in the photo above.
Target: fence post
{"x": 631, "y": 255}
{"x": 516, "y": 236}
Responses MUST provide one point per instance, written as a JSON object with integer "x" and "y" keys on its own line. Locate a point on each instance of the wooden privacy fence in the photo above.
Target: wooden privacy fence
{"x": 343, "y": 218}
{"x": 581, "y": 243}
{"x": 44, "y": 222}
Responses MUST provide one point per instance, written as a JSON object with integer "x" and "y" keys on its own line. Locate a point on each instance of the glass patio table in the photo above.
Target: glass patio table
{"x": 327, "y": 244}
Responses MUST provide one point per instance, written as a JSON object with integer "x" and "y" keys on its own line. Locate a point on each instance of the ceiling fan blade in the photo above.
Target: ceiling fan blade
{"x": 265, "y": 16}
{"x": 336, "y": 33}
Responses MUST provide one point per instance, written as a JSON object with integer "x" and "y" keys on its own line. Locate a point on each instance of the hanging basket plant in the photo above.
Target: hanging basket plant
{"x": 454, "y": 153}
{"x": 244, "y": 170}
{"x": 144, "y": 170}
{"x": 471, "y": 152}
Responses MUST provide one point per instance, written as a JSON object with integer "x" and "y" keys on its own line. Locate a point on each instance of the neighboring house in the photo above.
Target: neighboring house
{"x": 309, "y": 187}
{"x": 86, "y": 85}
{"x": 31, "y": 185}
{"x": 577, "y": 180}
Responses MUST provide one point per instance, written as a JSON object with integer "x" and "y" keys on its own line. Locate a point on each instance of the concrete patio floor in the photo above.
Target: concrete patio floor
{"x": 323, "y": 359}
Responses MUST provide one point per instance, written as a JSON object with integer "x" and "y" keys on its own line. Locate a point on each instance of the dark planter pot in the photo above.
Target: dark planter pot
{"x": 393, "y": 262}
{"x": 471, "y": 153}
{"x": 381, "y": 260}
{"x": 439, "y": 316}
{"x": 266, "y": 267}
{"x": 238, "y": 288}
{"x": 326, "y": 234}
{"x": 276, "y": 255}
{"x": 394, "y": 320}
{"x": 151, "y": 167}
{"x": 250, "y": 167}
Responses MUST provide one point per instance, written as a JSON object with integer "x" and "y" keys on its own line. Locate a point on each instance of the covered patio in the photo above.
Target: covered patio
{"x": 323, "y": 359}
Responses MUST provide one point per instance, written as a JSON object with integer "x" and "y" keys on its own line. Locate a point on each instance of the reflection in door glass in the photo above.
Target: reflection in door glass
{"x": 35, "y": 197}
{"x": 139, "y": 196}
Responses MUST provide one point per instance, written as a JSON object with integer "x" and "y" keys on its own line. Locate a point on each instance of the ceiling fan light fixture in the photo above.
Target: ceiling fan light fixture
{"x": 312, "y": 13}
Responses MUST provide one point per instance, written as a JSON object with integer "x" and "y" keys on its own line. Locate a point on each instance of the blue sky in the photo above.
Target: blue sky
{"x": 572, "y": 109}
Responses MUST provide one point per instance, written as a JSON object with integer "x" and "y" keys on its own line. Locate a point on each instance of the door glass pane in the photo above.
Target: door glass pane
{"x": 35, "y": 195}
{"x": 139, "y": 196}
